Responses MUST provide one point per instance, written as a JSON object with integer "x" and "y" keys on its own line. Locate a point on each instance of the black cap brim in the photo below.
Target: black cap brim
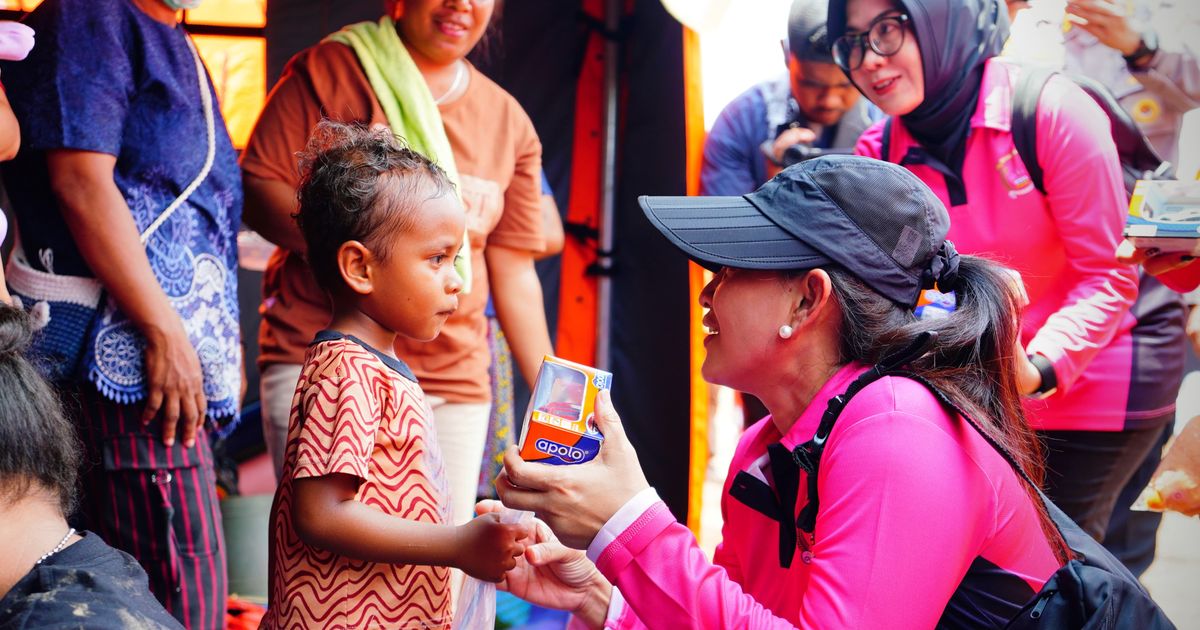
{"x": 728, "y": 232}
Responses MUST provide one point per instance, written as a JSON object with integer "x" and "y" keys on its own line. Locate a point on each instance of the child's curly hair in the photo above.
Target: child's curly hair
{"x": 359, "y": 183}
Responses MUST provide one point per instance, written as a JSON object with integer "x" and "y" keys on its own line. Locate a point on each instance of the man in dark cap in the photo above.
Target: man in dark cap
{"x": 813, "y": 106}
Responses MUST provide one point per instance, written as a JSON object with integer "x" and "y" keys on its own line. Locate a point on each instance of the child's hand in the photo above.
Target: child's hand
{"x": 487, "y": 548}
{"x": 552, "y": 575}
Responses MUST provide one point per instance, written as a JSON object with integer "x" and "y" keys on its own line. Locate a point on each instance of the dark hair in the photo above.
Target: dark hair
{"x": 489, "y": 50}
{"x": 37, "y": 443}
{"x": 973, "y": 361}
{"x": 361, "y": 184}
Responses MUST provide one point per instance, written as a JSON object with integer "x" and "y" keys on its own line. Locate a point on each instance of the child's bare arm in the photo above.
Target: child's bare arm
{"x": 517, "y": 295}
{"x": 326, "y": 515}
{"x": 552, "y": 228}
{"x": 269, "y": 208}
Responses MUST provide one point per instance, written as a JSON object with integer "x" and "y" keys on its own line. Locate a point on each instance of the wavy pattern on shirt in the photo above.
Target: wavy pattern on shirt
{"x": 353, "y": 414}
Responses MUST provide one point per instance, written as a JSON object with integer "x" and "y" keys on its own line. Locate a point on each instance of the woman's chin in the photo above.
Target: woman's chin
{"x": 895, "y": 105}
{"x": 713, "y": 373}
{"x": 707, "y": 371}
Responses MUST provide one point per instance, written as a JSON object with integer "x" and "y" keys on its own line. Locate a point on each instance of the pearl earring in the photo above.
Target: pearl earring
{"x": 785, "y": 331}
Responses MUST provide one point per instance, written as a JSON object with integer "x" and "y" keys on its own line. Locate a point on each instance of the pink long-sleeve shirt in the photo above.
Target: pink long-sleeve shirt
{"x": 919, "y": 518}
{"x": 1062, "y": 243}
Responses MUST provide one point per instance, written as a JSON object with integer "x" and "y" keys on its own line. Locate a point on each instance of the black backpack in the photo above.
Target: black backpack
{"x": 1159, "y": 311}
{"x": 1092, "y": 590}
{"x": 1138, "y": 158}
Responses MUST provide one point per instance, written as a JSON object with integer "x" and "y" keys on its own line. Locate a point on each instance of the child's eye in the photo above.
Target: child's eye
{"x": 438, "y": 259}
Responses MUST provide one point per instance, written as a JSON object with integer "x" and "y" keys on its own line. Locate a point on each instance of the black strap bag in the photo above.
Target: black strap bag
{"x": 1092, "y": 590}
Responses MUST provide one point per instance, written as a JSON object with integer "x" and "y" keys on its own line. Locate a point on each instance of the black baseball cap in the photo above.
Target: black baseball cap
{"x": 807, "y": 35}
{"x": 873, "y": 218}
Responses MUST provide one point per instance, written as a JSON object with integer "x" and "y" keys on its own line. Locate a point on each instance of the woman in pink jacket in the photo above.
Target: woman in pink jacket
{"x": 920, "y": 522}
{"x": 1098, "y": 392}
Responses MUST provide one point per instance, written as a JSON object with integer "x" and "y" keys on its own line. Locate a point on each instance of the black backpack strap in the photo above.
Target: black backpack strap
{"x": 1139, "y": 159}
{"x": 1024, "y": 120}
{"x": 885, "y": 151}
{"x": 808, "y": 455}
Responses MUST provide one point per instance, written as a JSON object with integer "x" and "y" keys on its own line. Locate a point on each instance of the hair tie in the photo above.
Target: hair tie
{"x": 943, "y": 269}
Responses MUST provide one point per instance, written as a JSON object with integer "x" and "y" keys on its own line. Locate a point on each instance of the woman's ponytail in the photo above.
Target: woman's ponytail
{"x": 974, "y": 361}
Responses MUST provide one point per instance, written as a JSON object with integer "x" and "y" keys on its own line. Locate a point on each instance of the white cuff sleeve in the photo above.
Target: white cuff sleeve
{"x": 616, "y": 606}
{"x": 621, "y": 521}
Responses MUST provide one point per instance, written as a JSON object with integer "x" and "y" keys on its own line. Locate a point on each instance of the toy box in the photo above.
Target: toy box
{"x": 560, "y": 425}
{"x": 1165, "y": 215}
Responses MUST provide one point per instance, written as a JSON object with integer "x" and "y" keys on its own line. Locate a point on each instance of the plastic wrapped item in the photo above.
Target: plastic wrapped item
{"x": 477, "y": 600}
{"x": 16, "y": 40}
{"x": 1176, "y": 483}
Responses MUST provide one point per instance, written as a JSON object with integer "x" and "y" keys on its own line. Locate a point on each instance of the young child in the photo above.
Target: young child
{"x": 361, "y": 534}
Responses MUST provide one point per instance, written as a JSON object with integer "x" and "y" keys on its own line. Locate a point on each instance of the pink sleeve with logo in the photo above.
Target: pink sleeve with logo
{"x": 893, "y": 540}
{"x": 1086, "y": 194}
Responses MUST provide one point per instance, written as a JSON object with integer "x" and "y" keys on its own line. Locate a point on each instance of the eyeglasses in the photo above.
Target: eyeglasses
{"x": 885, "y": 36}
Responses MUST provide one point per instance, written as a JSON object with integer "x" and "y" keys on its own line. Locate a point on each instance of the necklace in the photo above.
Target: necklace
{"x": 459, "y": 72}
{"x": 57, "y": 548}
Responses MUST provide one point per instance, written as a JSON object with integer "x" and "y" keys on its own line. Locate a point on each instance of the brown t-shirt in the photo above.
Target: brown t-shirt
{"x": 499, "y": 161}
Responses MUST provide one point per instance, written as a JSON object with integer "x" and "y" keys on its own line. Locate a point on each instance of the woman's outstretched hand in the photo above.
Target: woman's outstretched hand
{"x": 555, "y": 576}
{"x": 576, "y": 500}
{"x": 1153, "y": 261}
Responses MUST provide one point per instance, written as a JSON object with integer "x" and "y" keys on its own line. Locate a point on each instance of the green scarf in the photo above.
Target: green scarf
{"x": 411, "y": 111}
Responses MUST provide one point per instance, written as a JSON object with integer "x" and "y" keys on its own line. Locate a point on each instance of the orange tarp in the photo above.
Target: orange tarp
{"x": 238, "y": 67}
{"x": 693, "y": 100}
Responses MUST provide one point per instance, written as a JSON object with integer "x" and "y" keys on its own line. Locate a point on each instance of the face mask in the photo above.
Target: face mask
{"x": 182, "y": 5}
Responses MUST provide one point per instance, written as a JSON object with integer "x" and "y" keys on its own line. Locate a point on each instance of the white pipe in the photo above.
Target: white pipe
{"x": 608, "y": 162}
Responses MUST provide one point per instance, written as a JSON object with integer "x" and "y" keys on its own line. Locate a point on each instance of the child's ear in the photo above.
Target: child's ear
{"x": 356, "y": 264}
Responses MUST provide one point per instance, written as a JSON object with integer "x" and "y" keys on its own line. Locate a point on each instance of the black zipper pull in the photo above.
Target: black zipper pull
{"x": 1036, "y": 613}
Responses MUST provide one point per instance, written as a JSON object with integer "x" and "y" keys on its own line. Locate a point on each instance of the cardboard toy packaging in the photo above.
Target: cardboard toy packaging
{"x": 560, "y": 425}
